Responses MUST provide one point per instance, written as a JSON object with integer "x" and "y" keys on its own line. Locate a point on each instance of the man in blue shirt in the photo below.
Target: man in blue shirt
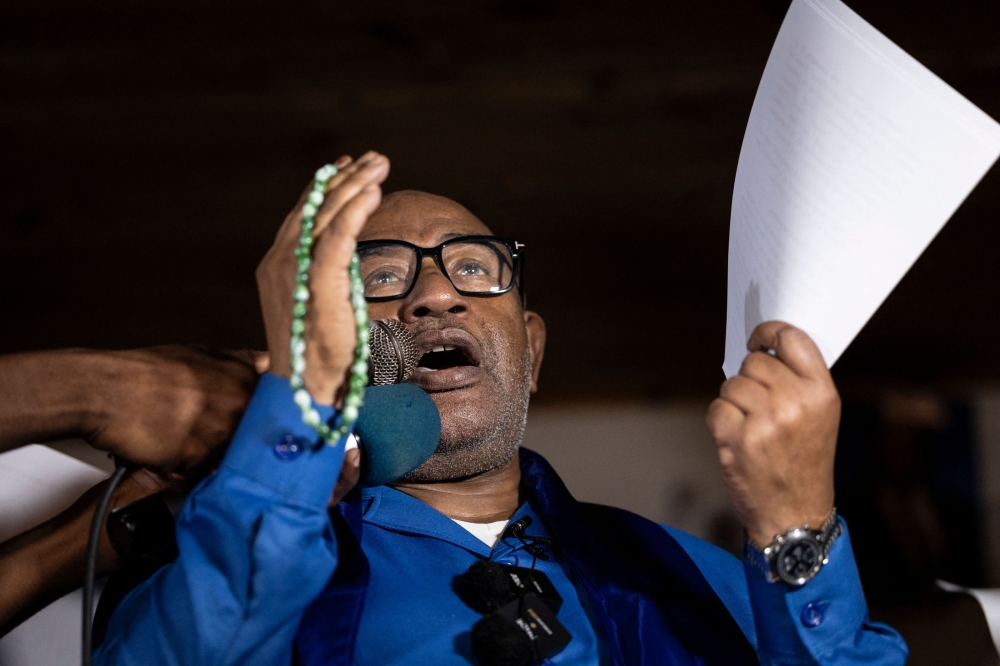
{"x": 268, "y": 575}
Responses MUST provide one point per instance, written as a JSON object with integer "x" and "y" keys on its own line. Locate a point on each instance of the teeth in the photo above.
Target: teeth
{"x": 443, "y": 348}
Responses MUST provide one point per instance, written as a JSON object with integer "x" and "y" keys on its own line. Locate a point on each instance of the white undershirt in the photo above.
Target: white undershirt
{"x": 488, "y": 533}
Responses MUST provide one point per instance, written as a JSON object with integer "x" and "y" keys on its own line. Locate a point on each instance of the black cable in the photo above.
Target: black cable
{"x": 536, "y": 545}
{"x": 92, "y": 543}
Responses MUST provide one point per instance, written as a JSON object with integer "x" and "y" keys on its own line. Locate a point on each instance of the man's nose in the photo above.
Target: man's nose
{"x": 433, "y": 295}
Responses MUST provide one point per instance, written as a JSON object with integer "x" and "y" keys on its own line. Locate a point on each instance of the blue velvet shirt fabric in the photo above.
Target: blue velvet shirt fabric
{"x": 257, "y": 549}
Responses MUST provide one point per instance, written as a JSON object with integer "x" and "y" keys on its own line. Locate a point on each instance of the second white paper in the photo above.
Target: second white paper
{"x": 855, "y": 156}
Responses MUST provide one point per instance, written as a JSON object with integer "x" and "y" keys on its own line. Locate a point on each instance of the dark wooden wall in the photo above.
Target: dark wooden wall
{"x": 151, "y": 149}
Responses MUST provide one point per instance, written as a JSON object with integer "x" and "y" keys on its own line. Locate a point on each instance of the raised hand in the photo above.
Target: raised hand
{"x": 776, "y": 425}
{"x": 352, "y": 195}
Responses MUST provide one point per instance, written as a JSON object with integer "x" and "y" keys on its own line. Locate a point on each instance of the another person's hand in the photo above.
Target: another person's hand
{"x": 172, "y": 408}
{"x": 776, "y": 425}
{"x": 48, "y": 561}
{"x": 352, "y": 195}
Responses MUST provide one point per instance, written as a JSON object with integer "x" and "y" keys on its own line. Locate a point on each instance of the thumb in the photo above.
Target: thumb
{"x": 792, "y": 346}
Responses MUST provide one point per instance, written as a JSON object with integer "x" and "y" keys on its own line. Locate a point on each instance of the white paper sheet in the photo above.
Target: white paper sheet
{"x": 855, "y": 156}
{"x": 37, "y": 483}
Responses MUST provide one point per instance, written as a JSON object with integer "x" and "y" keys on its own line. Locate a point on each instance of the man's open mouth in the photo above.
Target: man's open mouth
{"x": 449, "y": 359}
{"x": 444, "y": 356}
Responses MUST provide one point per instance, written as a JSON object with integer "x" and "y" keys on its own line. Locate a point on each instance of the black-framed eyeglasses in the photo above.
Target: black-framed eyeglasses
{"x": 475, "y": 265}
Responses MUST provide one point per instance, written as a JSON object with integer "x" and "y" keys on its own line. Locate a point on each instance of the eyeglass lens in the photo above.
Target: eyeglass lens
{"x": 479, "y": 267}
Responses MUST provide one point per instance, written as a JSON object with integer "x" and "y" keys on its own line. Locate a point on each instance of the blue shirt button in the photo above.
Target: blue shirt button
{"x": 812, "y": 614}
{"x": 288, "y": 448}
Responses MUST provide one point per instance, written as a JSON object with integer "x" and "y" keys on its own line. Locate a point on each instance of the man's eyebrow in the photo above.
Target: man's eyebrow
{"x": 454, "y": 234}
{"x": 378, "y": 250}
{"x": 444, "y": 237}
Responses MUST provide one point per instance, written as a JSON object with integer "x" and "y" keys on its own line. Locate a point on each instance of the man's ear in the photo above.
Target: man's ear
{"x": 536, "y": 344}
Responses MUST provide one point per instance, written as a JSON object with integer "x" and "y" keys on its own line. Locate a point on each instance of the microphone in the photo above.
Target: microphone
{"x": 487, "y": 586}
{"x": 399, "y": 426}
{"x": 398, "y": 429}
{"x": 394, "y": 353}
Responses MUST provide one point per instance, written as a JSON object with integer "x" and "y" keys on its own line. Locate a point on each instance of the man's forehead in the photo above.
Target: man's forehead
{"x": 421, "y": 218}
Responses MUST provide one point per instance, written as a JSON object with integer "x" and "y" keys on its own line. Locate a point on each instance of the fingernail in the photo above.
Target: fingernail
{"x": 342, "y": 161}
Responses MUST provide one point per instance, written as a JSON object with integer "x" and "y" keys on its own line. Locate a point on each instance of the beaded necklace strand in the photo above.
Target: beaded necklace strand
{"x": 359, "y": 370}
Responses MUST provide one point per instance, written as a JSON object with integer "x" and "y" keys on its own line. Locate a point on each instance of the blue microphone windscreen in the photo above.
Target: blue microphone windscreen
{"x": 399, "y": 428}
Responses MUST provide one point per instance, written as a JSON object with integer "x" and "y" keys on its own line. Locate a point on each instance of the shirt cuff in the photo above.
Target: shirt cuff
{"x": 827, "y": 610}
{"x": 273, "y": 447}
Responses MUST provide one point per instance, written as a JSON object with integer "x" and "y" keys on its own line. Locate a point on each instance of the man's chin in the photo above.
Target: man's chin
{"x": 480, "y": 427}
{"x": 459, "y": 462}
{"x": 465, "y": 409}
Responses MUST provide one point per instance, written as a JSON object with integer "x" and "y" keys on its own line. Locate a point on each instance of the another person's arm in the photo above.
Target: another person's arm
{"x": 776, "y": 426}
{"x": 41, "y": 565}
{"x": 168, "y": 408}
{"x": 171, "y": 407}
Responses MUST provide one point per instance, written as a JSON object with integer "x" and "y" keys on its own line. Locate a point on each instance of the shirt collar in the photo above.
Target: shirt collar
{"x": 394, "y": 510}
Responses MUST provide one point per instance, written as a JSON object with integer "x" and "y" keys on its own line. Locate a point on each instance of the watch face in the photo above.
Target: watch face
{"x": 799, "y": 558}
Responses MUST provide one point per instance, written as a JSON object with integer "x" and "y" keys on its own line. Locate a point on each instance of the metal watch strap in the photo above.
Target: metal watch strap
{"x": 831, "y": 529}
{"x": 766, "y": 561}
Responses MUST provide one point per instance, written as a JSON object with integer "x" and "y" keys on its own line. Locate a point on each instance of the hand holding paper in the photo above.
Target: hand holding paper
{"x": 775, "y": 424}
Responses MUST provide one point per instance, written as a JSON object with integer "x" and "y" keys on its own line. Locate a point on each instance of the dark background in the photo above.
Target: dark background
{"x": 150, "y": 151}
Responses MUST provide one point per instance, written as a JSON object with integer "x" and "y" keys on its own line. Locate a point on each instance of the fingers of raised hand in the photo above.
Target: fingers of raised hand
{"x": 349, "y": 180}
{"x": 330, "y": 327}
{"x": 725, "y": 421}
{"x": 342, "y": 163}
{"x": 333, "y": 250}
{"x": 766, "y": 369}
{"x": 791, "y": 345}
{"x": 370, "y": 170}
{"x": 335, "y": 245}
{"x": 748, "y": 395}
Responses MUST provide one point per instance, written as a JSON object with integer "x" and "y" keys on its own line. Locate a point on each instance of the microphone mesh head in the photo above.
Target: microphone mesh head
{"x": 394, "y": 354}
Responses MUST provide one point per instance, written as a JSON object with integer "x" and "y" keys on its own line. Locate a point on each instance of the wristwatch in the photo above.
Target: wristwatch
{"x": 796, "y": 556}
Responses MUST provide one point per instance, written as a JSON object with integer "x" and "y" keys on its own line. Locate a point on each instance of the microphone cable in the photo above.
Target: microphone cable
{"x": 93, "y": 541}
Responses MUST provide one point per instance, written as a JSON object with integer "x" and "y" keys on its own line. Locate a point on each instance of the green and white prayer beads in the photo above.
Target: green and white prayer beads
{"x": 359, "y": 370}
